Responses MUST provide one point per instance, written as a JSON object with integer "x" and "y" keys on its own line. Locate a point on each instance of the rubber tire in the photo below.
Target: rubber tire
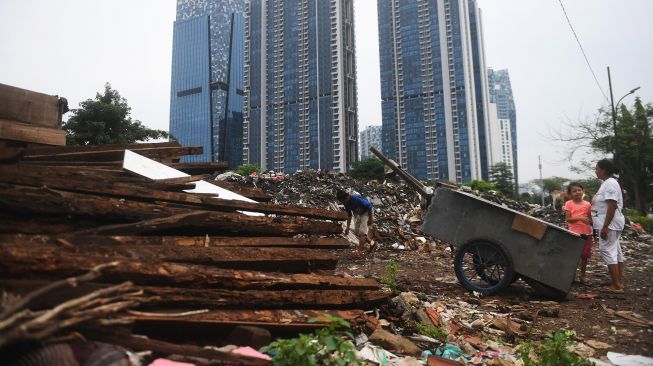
{"x": 545, "y": 290}
{"x": 505, "y": 281}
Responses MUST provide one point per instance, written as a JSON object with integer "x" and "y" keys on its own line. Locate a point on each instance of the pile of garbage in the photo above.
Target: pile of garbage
{"x": 420, "y": 329}
{"x": 398, "y": 215}
{"x": 398, "y": 210}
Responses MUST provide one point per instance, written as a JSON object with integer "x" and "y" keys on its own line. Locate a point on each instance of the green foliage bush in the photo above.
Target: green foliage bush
{"x": 328, "y": 346}
{"x": 248, "y": 169}
{"x": 552, "y": 352}
{"x": 390, "y": 277}
{"x": 432, "y": 331}
{"x": 480, "y": 185}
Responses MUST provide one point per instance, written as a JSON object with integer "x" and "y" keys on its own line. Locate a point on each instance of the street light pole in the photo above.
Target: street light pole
{"x": 615, "y": 157}
{"x": 539, "y": 158}
{"x": 614, "y": 122}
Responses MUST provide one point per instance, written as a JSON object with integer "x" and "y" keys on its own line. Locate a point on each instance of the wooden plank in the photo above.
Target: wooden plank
{"x": 257, "y": 194}
{"x": 11, "y": 154}
{"x": 156, "y": 153}
{"x": 42, "y": 150}
{"x": 252, "y": 258}
{"x": 267, "y": 318}
{"x": 209, "y": 223}
{"x": 146, "y": 194}
{"x": 29, "y": 107}
{"x": 153, "y": 216}
{"x": 11, "y": 130}
{"x": 180, "y": 297}
{"x": 60, "y": 264}
{"x": 187, "y": 241}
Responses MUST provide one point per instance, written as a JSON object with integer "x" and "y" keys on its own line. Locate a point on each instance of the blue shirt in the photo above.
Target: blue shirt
{"x": 358, "y": 204}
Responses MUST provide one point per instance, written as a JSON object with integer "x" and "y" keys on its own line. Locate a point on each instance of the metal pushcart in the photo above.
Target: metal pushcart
{"x": 496, "y": 245}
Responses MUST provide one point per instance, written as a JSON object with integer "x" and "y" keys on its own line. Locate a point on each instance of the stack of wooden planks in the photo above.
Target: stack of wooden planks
{"x": 190, "y": 253}
{"x": 29, "y": 118}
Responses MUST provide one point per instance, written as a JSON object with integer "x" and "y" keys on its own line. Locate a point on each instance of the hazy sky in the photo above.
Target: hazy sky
{"x": 72, "y": 47}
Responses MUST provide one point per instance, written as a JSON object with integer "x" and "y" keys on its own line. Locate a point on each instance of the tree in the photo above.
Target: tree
{"x": 368, "y": 169}
{"x": 106, "y": 120}
{"x": 501, "y": 176}
{"x": 633, "y": 142}
{"x": 554, "y": 184}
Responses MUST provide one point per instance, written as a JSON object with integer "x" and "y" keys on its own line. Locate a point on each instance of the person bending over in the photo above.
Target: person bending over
{"x": 363, "y": 213}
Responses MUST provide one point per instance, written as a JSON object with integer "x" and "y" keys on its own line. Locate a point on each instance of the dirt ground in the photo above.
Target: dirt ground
{"x": 432, "y": 273}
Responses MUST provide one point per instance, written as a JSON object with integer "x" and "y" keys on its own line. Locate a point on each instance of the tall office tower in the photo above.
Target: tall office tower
{"x": 300, "y": 82}
{"x": 433, "y": 88}
{"x": 501, "y": 95}
{"x": 371, "y": 136}
{"x": 206, "y": 98}
{"x": 500, "y": 140}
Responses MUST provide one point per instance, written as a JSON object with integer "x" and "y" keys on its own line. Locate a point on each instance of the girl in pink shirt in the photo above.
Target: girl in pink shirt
{"x": 578, "y": 214}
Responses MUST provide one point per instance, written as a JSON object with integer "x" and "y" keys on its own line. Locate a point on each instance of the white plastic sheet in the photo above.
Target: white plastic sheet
{"x": 149, "y": 168}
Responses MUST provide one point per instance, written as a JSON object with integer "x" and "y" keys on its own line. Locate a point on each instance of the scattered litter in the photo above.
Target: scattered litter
{"x": 619, "y": 359}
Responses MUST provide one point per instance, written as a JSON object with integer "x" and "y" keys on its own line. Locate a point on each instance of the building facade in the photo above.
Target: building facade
{"x": 207, "y": 91}
{"x": 434, "y": 88}
{"x": 300, "y": 85}
{"x": 500, "y": 140}
{"x": 501, "y": 94}
{"x": 369, "y": 137}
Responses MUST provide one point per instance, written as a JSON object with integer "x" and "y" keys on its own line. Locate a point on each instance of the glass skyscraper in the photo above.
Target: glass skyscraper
{"x": 501, "y": 95}
{"x": 207, "y": 92}
{"x": 300, "y": 83}
{"x": 434, "y": 88}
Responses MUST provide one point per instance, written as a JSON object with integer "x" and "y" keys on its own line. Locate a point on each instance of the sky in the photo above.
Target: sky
{"x": 72, "y": 47}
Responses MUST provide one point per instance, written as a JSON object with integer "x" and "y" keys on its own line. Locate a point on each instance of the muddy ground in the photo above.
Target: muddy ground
{"x": 432, "y": 274}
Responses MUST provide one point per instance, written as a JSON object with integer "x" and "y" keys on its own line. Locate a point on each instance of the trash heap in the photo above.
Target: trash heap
{"x": 398, "y": 215}
{"x": 421, "y": 329}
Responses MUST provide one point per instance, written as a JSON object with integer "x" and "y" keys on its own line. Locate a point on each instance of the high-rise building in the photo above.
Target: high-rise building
{"x": 300, "y": 83}
{"x": 371, "y": 136}
{"x": 433, "y": 88}
{"x": 206, "y": 98}
{"x": 500, "y": 140}
{"x": 501, "y": 94}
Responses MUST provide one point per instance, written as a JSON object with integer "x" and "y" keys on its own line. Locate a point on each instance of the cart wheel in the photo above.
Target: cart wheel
{"x": 483, "y": 267}
{"x": 544, "y": 290}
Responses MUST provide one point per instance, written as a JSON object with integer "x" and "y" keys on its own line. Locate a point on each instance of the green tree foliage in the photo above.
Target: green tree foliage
{"x": 590, "y": 185}
{"x": 106, "y": 120}
{"x": 554, "y": 184}
{"x": 368, "y": 169}
{"x": 502, "y": 178}
{"x": 634, "y": 152}
{"x": 633, "y": 146}
{"x": 480, "y": 185}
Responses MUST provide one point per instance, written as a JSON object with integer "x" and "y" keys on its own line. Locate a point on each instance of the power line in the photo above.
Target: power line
{"x": 582, "y": 50}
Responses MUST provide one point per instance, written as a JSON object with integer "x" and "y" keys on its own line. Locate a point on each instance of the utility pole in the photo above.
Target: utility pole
{"x": 539, "y": 158}
{"x": 615, "y": 156}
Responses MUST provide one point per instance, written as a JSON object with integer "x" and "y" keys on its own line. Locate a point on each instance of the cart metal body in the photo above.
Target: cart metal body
{"x": 537, "y": 250}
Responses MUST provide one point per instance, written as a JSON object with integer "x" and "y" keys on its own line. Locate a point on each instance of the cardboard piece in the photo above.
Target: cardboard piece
{"x": 529, "y": 226}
